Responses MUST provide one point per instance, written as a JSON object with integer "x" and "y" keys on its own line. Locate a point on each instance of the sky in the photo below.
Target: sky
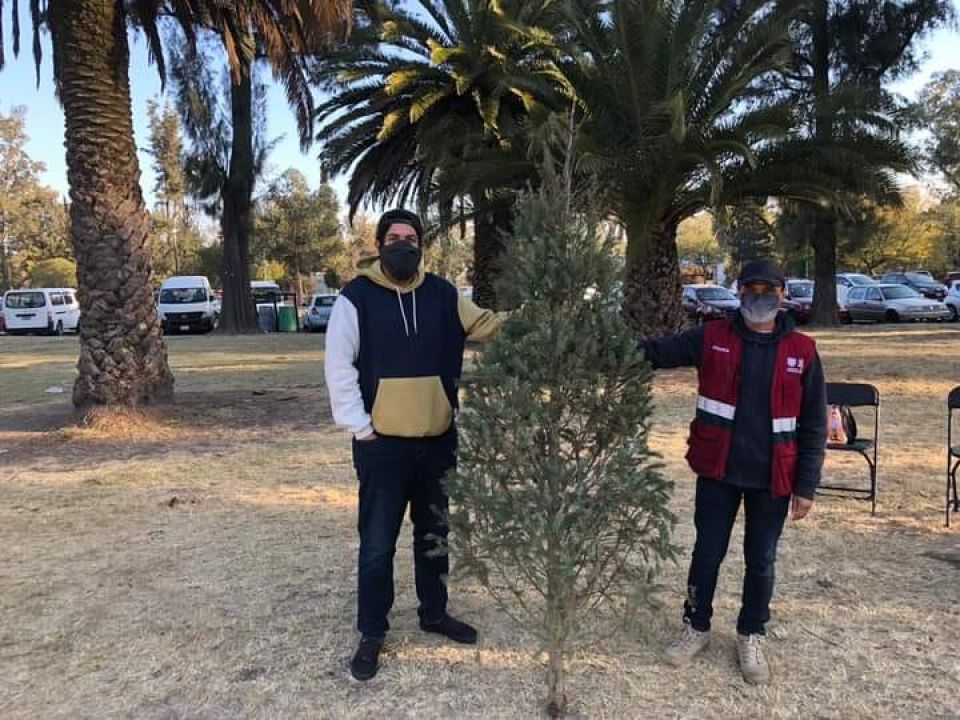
{"x": 45, "y": 118}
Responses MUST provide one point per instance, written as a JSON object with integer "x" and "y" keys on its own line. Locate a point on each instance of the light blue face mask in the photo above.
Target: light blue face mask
{"x": 760, "y": 309}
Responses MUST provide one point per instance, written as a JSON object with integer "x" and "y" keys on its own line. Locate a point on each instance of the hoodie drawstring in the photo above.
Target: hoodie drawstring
{"x": 403, "y": 313}
{"x": 416, "y": 330}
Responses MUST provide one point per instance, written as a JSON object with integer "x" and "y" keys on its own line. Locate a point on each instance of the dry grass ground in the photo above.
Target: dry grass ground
{"x": 199, "y": 562}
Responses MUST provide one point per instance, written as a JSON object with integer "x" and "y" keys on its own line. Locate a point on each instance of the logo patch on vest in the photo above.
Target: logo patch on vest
{"x": 720, "y": 349}
{"x": 795, "y": 365}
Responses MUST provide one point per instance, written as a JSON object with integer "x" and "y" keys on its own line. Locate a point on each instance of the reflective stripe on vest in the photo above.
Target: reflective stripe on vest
{"x": 715, "y": 412}
{"x": 784, "y": 429}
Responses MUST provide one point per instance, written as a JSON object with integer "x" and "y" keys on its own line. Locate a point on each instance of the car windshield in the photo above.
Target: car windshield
{"x": 25, "y": 300}
{"x": 920, "y": 278}
{"x": 717, "y": 293}
{"x": 324, "y": 301}
{"x": 860, "y": 280}
{"x": 182, "y": 296}
{"x": 801, "y": 289}
{"x": 899, "y": 293}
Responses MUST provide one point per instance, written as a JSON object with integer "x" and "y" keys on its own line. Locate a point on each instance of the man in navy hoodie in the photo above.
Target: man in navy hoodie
{"x": 394, "y": 353}
{"x": 757, "y": 440}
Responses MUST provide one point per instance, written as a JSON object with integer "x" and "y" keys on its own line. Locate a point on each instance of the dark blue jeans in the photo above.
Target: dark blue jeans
{"x": 717, "y": 505}
{"x": 393, "y": 473}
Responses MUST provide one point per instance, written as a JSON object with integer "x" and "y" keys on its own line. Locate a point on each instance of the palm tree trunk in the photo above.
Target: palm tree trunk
{"x": 493, "y": 221}
{"x": 239, "y": 312}
{"x": 824, "y": 310}
{"x": 123, "y": 358}
{"x": 652, "y": 292}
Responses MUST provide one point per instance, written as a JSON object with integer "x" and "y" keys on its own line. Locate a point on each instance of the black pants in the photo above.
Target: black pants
{"x": 394, "y": 472}
{"x": 717, "y": 505}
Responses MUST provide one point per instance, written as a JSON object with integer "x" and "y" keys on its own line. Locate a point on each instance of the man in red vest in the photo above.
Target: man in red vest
{"x": 758, "y": 440}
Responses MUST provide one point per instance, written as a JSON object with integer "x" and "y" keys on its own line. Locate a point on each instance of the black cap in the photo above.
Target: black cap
{"x": 398, "y": 215}
{"x": 765, "y": 271}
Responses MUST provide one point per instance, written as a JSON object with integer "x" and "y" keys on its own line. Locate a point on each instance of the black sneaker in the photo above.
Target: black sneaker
{"x": 454, "y": 629}
{"x": 365, "y": 660}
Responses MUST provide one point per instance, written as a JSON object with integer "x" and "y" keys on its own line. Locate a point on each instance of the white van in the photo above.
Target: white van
{"x": 41, "y": 310}
{"x": 187, "y": 303}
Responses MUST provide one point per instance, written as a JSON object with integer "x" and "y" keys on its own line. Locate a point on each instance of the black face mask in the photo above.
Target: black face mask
{"x": 401, "y": 261}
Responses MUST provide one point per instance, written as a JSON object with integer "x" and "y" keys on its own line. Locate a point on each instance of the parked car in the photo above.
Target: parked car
{"x": 850, "y": 280}
{"x": 318, "y": 314}
{"x": 893, "y": 303}
{"x": 51, "y": 311}
{"x": 187, "y": 302}
{"x": 708, "y": 302}
{"x": 797, "y": 299}
{"x": 922, "y": 283}
{"x": 951, "y": 277}
{"x": 1, "y": 314}
{"x": 265, "y": 292}
{"x": 953, "y": 301}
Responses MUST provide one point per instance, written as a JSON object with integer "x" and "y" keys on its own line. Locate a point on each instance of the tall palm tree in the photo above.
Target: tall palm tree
{"x": 426, "y": 89}
{"x": 668, "y": 92}
{"x": 123, "y": 359}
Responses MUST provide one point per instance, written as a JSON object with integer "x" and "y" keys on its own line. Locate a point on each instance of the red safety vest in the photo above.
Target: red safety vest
{"x": 711, "y": 432}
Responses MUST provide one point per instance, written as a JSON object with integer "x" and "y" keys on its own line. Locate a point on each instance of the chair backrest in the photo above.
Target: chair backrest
{"x": 953, "y": 399}
{"x": 853, "y": 394}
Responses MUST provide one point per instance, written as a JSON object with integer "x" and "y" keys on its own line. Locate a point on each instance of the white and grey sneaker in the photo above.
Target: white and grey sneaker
{"x": 753, "y": 664}
{"x": 689, "y": 644}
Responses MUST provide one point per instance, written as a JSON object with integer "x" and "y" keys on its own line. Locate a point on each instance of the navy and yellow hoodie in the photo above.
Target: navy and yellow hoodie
{"x": 394, "y": 353}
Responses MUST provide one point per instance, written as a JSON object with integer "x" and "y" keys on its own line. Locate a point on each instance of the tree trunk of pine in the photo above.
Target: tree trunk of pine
{"x": 493, "y": 221}
{"x": 123, "y": 358}
{"x": 652, "y": 292}
{"x": 556, "y": 681}
{"x": 824, "y": 309}
{"x": 239, "y": 313}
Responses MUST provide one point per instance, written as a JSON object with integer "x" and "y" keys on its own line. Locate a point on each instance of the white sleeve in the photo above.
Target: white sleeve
{"x": 343, "y": 377}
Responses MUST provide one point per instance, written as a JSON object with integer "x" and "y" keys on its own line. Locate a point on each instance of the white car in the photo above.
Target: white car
{"x": 187, "y": 302}
{"x": 318, "y": 312}
{"x": 848, "y": 281}
{"x": 952, "y": 301}
{"x": 50, "y": 311}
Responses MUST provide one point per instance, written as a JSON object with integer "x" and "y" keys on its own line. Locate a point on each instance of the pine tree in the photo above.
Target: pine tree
{"x": 558, "y": 506}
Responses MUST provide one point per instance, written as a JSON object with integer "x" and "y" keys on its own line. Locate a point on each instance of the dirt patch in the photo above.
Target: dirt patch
{"x": 211, "y": 572}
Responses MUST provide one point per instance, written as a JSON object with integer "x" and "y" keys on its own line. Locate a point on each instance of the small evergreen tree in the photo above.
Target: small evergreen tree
{"x": 558, "y": 505}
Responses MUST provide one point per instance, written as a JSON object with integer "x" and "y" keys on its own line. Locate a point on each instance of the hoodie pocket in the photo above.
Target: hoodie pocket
{"x": 411, "y": 407}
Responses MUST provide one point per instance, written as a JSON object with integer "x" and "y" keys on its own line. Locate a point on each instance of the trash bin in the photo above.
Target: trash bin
{"x": 288, "y": 318}
{"x": 266, "y": 319}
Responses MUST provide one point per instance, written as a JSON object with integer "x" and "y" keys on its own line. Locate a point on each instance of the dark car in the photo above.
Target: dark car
{"x": 798, "y": 299}
{"x": 921, "y": 282}
{"x": 708, "y": 302}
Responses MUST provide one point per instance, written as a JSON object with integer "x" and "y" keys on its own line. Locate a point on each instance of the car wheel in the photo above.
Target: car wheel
{"x": 891, "y": 316}
{"x": 58, "y": 331}
{"x": 954, "y": 313}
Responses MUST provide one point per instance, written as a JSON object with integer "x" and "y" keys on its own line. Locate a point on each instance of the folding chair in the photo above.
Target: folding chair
{"x": 953, "y": 454}
{"x": 855, "y": 395}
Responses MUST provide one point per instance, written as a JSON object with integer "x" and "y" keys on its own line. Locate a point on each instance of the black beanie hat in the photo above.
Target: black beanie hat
{"x": 398, "y": 215}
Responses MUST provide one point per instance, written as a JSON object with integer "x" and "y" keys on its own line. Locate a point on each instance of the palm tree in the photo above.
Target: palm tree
{"x": 668, "y": 93}
{"x": 429, "y": 92}
{"x": 123, "y": 359}
{"x": 844, "y": 53}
